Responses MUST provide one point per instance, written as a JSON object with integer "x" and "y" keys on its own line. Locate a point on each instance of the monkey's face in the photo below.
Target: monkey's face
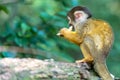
{"x": 79, "y": 17}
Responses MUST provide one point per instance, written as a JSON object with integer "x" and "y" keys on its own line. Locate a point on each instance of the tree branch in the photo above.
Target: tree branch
{"x": 33, "y": 69}
{"x": 15, "y": 49}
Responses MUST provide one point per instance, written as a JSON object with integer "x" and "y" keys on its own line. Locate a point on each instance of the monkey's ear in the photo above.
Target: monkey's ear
{"x": 77, "y": 14}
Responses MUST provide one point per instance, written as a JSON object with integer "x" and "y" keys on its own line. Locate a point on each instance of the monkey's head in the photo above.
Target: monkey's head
{"x": 78, "y": 14}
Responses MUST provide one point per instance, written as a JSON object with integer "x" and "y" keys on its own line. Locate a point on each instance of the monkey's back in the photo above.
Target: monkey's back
{"x": 101, "y": 33}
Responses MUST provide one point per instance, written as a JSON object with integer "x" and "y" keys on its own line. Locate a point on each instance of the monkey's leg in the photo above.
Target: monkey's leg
{"x": 99, "y": 58}
{"x": 86, "y": 53}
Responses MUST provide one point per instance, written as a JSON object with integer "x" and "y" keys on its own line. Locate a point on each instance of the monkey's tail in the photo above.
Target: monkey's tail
{"x": 102, "y": 70}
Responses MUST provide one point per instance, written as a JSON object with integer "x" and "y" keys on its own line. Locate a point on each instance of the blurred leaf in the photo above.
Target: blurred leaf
{"x": 3, "y": 8}
{"x": 5, "y": 31}
{"x": 9, "y": 54}
{"x": 24, "y": 28}
{"x": 45, "y": 17}
{"x": 21, "y": 42}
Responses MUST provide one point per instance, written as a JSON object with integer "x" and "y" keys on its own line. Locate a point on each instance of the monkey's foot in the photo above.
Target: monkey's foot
{"x": 84, "y": 60}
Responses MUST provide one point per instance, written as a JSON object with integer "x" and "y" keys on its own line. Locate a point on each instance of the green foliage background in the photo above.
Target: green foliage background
{"x": 34, "y": 24}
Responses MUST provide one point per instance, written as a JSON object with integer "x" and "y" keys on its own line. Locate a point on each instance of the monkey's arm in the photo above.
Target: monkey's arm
{"x": 70, "y": 35}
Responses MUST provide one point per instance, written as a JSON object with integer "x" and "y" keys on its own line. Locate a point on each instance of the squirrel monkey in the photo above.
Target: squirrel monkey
{"x": 95, "y": 38}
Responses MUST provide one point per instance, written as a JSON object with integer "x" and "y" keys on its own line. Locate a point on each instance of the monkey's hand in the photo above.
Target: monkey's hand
{"x": 62, "y": 32}
{"x": 70, "y": 35}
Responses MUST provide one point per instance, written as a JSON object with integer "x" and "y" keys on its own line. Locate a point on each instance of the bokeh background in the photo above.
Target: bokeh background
{"x": 33, "y": 24}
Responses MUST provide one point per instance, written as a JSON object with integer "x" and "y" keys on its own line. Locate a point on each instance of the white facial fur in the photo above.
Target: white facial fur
{"x": 82, "y": 16}
{"x": 69, "y": 20}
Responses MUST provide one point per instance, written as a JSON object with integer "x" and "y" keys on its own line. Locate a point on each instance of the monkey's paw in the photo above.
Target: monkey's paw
{"x": 62, "y": 32}
{"x": 85, "y": 60}
{"x": 80, "y": 61}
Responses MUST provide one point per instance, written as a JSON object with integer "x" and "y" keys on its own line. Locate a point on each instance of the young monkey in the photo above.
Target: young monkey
{"x": 95, "y": 38}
